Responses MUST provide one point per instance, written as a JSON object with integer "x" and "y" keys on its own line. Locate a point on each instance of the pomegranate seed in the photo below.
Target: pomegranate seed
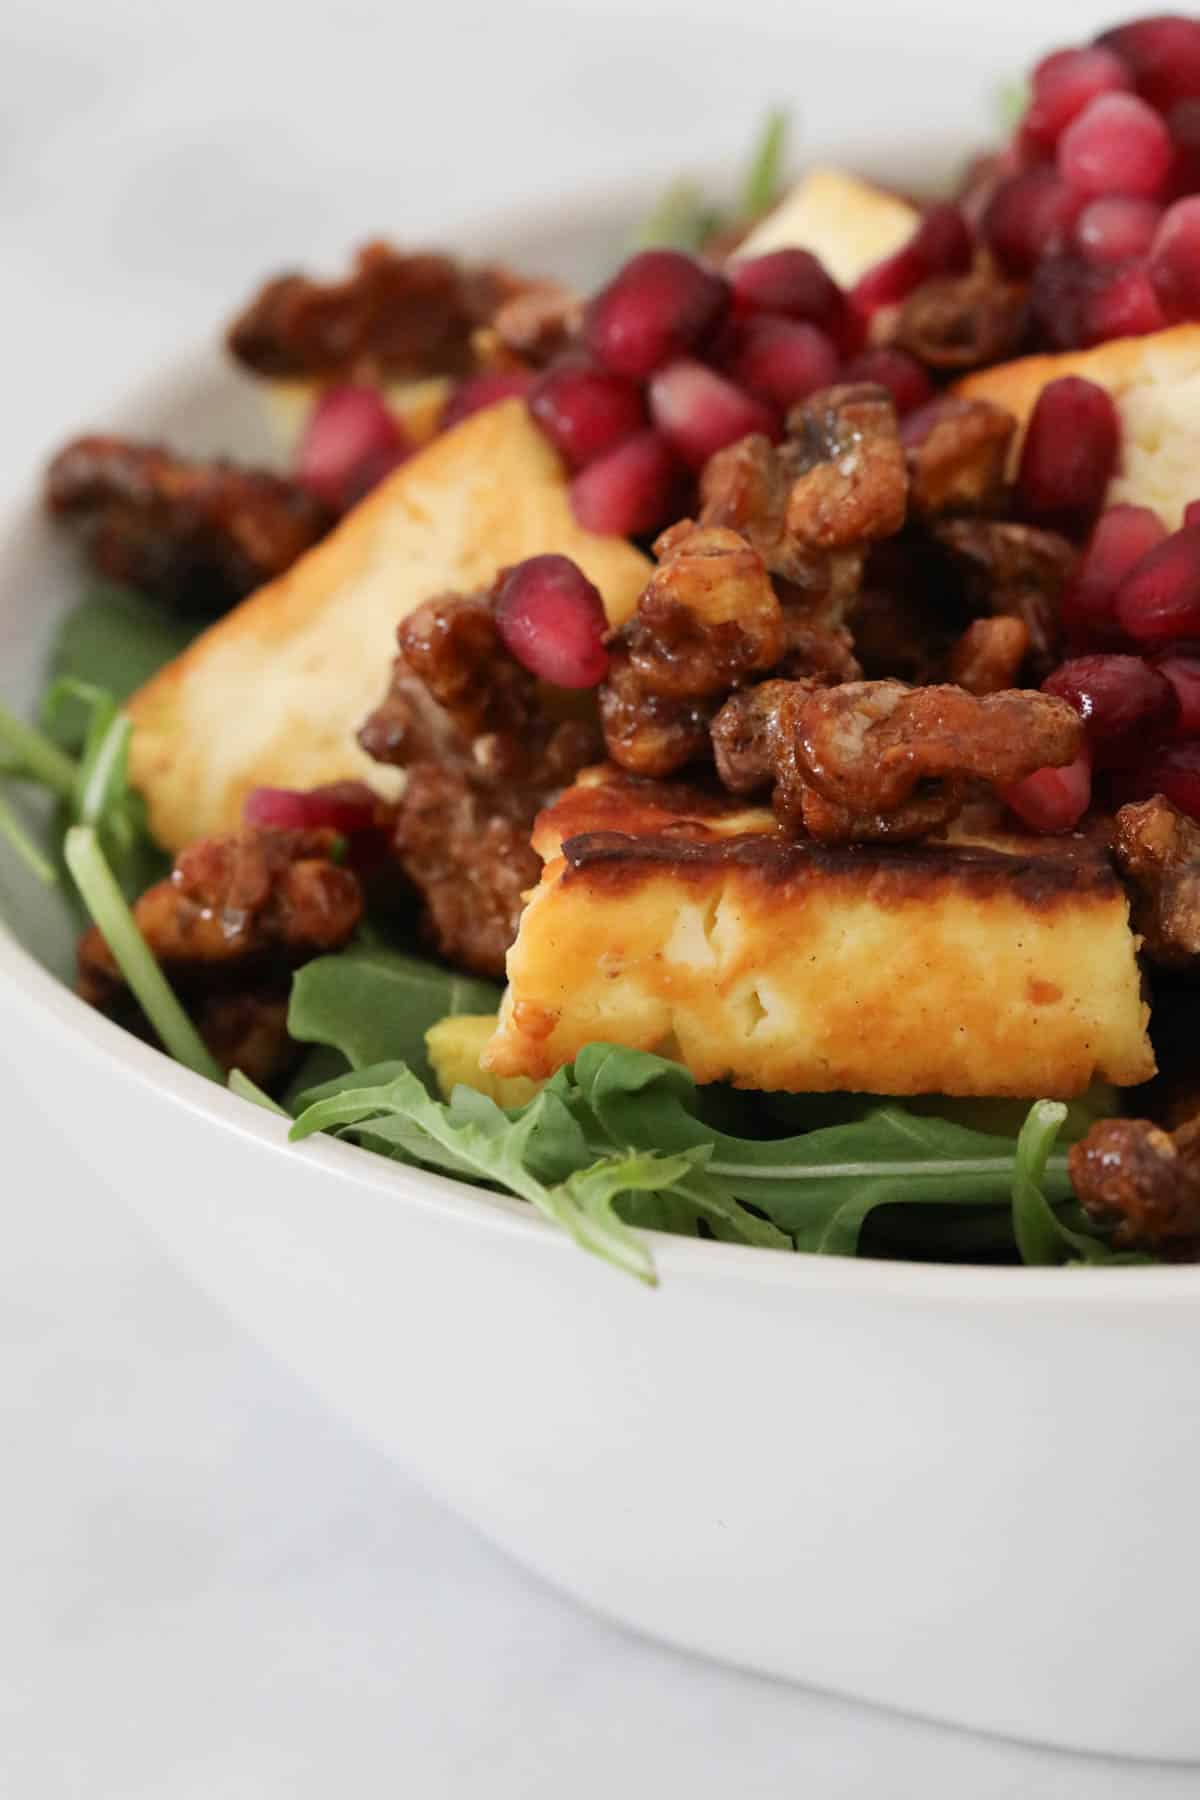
{"x": 1052, "y": 800}
{"x": 585, "y": 411}
{"x": 659, "y": 306}
{"x": 1191, "y": 513}
{"x": 1183, "y": 123}
{"x": 1183, "y": 673}
{"x": 888, "y": 282}
{"x": 349, "y": 433}
{"x": 1175, "y": 773}
{"x": 895, "y": 370}
{"x": 1061, "y": 285}
{"x": 477, "y": 392}
{"x": 1175, "y": 260}
{"x": 1063, "y": 84}
{"x": 1124, "y": 703}
{"x": 1117, "y": 145}
{"x": 1160, "y": 597}
{"x": 1116, "y": 229}
{"x": 1069, "y": 453}
{"x": 631, "y": 490}
{"x": 699, "y": 411}
{"x": 940, "y": 245}
{"x": 783, "y": 360}
{"x": 789, "y": 283}
{"x": 1029, "y": 214}
{"x": 551, "y": 619}
{"x": 1123, "y": 305}
{"x": 343, "y": 806}
{"x": 1162, "y": 54}
{"x": 1123, "y": 536}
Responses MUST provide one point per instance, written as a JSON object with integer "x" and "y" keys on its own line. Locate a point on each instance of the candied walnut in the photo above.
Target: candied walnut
{"x": 647, "y": 733}
{"x": 963, "y": 321}
{"x": 234, "y": 917}
{"x": 532, "y": 326}
{"x": 753, "y": 733}
{"x": 1131, "y": 1174}
{"x": 957, "y": 456}
{"x": 396, "y": 315}
{"x": 1013, "y": 569}
{"x": 199, "y": 536}
{"x": 988, "y": 656}
{"x": 1157, "y": 848}
{"x": 811, "y": 505}
{"x": 708, "y": 617}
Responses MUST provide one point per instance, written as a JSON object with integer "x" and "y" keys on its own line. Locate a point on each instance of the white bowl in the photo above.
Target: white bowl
{"x": 965, "y": 1492}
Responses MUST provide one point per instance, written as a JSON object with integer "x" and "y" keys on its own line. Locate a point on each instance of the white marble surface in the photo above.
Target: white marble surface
{"x": 209, "y": 1588}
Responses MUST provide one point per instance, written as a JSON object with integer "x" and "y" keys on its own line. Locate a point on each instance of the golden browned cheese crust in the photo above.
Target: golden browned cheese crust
{"x": 682, "y": 921}
{"x": 274, "y": 693}
{"x": 1155, "y": 381}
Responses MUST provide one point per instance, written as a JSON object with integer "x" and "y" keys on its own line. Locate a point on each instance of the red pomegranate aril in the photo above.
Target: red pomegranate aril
{"x": 1123, "y": 304}
{"x": 1063, "y": 84}
{"x": 1191, "y": 513}
{"x": 1069, "y": 454}
{"x": 1116, "y": 229}
{"x": 783, "y": 360}
{"x": 656, "y": 308}
{"x": 1183, "y": 673}
{"x": 1124, "y": 703}
{"x": 585, "y": 411}
{"x": 1183, "y": 123}
{"x": 477, "y": 392}
{"x": 551, "y": 620}
{"x": 791, "y": 284}
{"x": 888, "y": 282}
{"x": 1029, "y": 214}
{"x": 1175, "y": 260}
{"x": 1175, "y": 772}
{"x": 1162, "y": 53}
{"x": 1117, "y": 145}
{"x": 699, "y": 411}
{"x": 1052, "y": 800}
{"x": 1122, "y": 537}
{"x": 901, "y": 374}
{"x": 348, "y": 431}
{"x": 630, "y": 491}
{"x": 942, "y": 241}
{"x": 346, "y": 807}
{"x": 1160, "y": 597}
{"x": 1062, "y": 282}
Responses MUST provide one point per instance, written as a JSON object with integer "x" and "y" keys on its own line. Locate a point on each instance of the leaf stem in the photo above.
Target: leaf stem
{"x": 12, "y": 829}
{"x": 118, "y": 927}
{"x": 37, "y": 756}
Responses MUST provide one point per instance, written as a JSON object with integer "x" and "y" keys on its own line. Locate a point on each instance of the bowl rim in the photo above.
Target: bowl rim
{"x": 48, "y": 1001}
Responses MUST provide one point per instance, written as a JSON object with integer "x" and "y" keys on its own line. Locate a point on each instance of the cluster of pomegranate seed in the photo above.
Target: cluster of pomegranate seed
{"x": 1131, "y": 621}
{"x": 1099, "y": 196}
{"x": 551, "y": 620}
{"x": 351, "y": 441}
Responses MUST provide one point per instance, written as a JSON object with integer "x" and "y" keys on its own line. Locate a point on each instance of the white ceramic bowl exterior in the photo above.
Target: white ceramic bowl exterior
{"x": 968, "y": 1493}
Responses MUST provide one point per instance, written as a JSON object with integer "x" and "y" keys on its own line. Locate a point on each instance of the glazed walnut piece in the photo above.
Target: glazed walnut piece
{"x": 396, "y": 316}
{"x": 987, "y": 657}
{"x": 957, "y": 322}
{"x": 1157, "y": 849}
{"x": 957, "y": 456}
{"x": 810, "y": 505}
{"x": 873, "y": 761}
{"x": 1016, "y": 570}
{"x": 197, "y": 535}
{"x": 1142, "y": 1180}
{"x": 236, "y": 915}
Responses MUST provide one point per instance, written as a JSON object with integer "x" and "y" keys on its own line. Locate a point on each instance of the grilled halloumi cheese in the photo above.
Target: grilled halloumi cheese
{"x": 274, "y": 693}
{"x": 1155, "y": 382}
{"x": 675, "y": 919}
{"x": 848, "y": 223}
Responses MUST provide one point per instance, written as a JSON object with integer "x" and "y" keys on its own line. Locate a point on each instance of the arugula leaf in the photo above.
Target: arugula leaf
{"x": 683, "y": 219}
{"x": 479, "y": 1140}
{"x": 241, "y": 1085}
{"x": 12, "y": 828}
{"x": 763, "y": 178}
{"x": 1043, "y": 1235}
{"x": 376, "y": 1005}
{"x": 114, "y": 639}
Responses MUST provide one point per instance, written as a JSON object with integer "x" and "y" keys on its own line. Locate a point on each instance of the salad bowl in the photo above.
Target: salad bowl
{"x": 965, "y": 1492}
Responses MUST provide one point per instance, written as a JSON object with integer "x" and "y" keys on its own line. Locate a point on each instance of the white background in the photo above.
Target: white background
{"x": 207, "y": 1587}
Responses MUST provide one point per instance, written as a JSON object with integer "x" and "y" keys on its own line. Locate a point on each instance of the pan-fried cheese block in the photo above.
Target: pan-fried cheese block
{"x": 274, "y": 693}
{"x": 678, "y": 920}
{"x": 849, "y": 224}
{"x": 416, "y": 404}
{"x": 1155, "y": 382}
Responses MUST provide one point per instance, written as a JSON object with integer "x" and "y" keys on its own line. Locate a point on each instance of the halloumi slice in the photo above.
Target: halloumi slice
{"x": 273, "y": 694}
{"x": 681, "y": 921}
{"x": 1155, "y": 382}
{"x": 847, "y": 223}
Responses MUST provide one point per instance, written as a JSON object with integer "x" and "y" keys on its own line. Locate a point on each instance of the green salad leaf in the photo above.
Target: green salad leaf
{"x": 686, "y": 218}
{"x": 114, "y": 639}
{"x": 374, "y": 1005}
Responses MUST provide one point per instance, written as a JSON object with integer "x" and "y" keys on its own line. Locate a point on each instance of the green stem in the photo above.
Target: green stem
{"x": 118, "y": 927}
{"x": 12, "y": 829}
{"x": 37, "y": 755}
